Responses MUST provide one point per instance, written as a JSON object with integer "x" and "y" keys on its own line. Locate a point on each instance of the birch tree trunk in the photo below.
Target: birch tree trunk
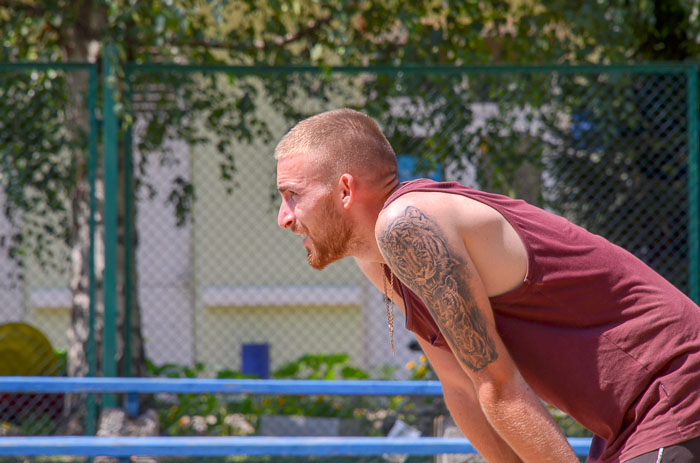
{"x": 80, "y": 45}
{"x": 77, "y": 49}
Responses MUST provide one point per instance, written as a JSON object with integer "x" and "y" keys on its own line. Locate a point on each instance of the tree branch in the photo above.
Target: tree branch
{"x": 289, "y": 38}
{"x": 258, "y": 44}
{"x": 34, "y": 9}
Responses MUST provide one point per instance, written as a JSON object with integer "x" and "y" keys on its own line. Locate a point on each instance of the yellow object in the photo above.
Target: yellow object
{"x": 25, "y": 351}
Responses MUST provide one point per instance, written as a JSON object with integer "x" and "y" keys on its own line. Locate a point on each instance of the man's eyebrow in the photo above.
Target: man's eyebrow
{"x": 283, "y": 188}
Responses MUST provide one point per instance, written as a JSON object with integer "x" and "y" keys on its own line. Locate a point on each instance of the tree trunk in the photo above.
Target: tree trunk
{"x": 74, "y": 410}
{"x": 79, "y": 45}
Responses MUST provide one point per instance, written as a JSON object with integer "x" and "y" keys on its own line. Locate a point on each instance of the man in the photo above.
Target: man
{"x": 508, "y": 302}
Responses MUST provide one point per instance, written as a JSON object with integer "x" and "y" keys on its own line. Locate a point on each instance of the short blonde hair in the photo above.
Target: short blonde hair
{"x": 341, "y": 140}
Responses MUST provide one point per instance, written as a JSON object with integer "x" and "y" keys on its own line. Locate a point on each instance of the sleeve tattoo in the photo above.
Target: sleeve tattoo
{"x": 417, "y": 252}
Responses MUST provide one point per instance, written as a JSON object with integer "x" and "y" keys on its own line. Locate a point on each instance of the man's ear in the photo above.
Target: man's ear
{"x": 347, "y": 189}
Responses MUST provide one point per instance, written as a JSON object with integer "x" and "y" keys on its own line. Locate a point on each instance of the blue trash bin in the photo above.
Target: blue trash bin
{"x": 256, "y": 360}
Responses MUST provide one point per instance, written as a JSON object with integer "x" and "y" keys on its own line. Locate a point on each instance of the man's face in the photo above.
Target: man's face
{"x": 308, "y": 210}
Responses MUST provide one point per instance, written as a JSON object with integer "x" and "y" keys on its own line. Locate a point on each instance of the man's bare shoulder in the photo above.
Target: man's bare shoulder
{"x": 447, "y": 208}
{"x": 493, "y": 244}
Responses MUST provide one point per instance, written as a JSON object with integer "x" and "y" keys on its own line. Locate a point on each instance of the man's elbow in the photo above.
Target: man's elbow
{"x": 495, "y": 388}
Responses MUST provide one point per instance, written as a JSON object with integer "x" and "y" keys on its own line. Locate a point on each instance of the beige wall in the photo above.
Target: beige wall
{"x": 291, "y": 331}
{"x": 53, "y": 322}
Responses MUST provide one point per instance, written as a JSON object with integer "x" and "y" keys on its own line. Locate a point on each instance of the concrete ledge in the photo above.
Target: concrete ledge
{"x": 238, "y": 296}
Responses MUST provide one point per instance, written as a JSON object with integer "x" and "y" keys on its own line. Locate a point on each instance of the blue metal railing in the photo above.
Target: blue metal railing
{"x": 47, "y": 384}
{"x": 123, "y": 447}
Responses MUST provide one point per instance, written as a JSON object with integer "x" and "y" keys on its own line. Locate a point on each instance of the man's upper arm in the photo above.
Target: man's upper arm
{"x": 426, "y": 253}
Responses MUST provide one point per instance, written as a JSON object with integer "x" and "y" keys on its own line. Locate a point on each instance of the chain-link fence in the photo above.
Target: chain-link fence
{"x": 47, "y": 161}
{"x": 215, "y": 288}
{"x": 607, "y": 148}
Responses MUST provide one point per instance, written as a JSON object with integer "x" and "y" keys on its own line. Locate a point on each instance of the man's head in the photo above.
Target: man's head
{"x": 340, "y": 141}
{"x": 327, "y": 166}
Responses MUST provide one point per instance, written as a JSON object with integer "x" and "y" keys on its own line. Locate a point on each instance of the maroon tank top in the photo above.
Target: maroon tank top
{"x": 593, "y": 330}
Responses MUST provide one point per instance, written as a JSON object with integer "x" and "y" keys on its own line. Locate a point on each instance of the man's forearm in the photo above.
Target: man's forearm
{"x": 474, "y": 425}
{"x": 524, "y": 423}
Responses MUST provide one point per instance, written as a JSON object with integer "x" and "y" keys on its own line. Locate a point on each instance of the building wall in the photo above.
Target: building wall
{"x": 290, "y": 331}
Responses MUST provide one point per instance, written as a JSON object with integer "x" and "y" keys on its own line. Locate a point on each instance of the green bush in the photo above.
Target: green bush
{"x": 207, "y": 414}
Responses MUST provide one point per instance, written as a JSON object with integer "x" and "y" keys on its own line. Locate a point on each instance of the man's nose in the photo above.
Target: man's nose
{"x": 285, "y": 218}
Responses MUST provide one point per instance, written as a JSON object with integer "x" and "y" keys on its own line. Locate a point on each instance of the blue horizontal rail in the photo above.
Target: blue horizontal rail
{"x": 87, "y": 446}
{"x": 43, "y": 384}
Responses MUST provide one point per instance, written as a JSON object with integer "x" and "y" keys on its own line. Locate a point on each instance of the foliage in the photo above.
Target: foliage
{"x": 568, "y": 425}
{"x": 237, "y": 415}
{"x": 34, "y": 173}
{"x": 421, "y": 370}
{"x": 320, "y": 366}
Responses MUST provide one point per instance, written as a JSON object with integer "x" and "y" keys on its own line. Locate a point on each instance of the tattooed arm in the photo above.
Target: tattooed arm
{"x": 459, "y": 392}
{"x": 426, "y": 252}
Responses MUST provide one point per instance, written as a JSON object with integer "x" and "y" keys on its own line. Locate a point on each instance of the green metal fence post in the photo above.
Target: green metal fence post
{"x": 90, "y": 417}
{"x": 110, "y": 166}
{"x": 693, "y": 184}
{"x": 128, "y": 230}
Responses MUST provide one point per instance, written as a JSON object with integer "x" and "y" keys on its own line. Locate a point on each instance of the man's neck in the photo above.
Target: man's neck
{"x": 392, "y": 185}
{"x": 366, "y": 248}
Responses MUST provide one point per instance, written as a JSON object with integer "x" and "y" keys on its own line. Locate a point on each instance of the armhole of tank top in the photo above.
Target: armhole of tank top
{"x": 408, "y": 306}
{"x": 530, "y": 271}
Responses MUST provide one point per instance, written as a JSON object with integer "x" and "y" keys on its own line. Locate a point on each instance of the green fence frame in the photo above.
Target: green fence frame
{"x": 693, "y": 184}
{"x": 110, "y": 150}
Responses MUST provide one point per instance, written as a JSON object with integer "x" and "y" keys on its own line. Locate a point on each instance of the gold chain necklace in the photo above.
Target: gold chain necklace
{"x": 389, "y": 307}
